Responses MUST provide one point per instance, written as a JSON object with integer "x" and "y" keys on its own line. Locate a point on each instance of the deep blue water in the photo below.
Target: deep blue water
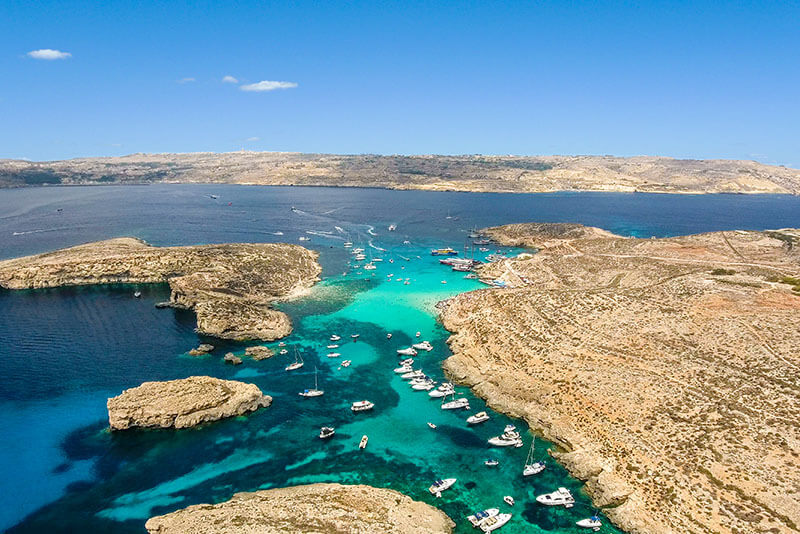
{"x": 65, "y": 351}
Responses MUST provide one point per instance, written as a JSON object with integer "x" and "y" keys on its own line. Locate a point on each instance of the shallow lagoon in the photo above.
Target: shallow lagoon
{"x": 65, "y": 351}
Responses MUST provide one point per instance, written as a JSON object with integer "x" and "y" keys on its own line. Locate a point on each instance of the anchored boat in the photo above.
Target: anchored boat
{"x": 314, "y": 392}
{"x": 362, "y": 406}
{"x": 440, "y": 485}
{"x": 493, "y": 523}
{"x": 478, "y": 517}
{"x": 593, "y": 523}
{"x": 509, "y": 438}
{"x": 479, "y": 417}
{"x": 560, "y": 497}
{"x": 532, "y": 467}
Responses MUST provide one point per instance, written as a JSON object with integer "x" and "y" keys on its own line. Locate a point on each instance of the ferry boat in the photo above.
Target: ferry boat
{"x": 478, "y": 517}
{"x": 593, "y": 523}
{"x": 509, "y": 438}
{"x": 560, "y": 497}
{"x": 440, "y": 485}
{"x": 493, "y": 523}
{"x": 362, "y": 406}
{"x": 425, "y": 345}
{"x": 479, "y": 417}
{"x": 444, "y": 252}
{"x": 326, "y": 432}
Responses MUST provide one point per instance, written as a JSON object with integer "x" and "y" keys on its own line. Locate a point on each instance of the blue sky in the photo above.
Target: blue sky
{"x": 693, "y": 79}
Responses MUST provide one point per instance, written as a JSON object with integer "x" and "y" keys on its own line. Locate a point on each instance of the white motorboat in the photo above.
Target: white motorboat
{"x": 425, "y": 345}
{"x": 419, "y": 380}
{"x": 360, "y": 257}
{"x": 363, "y": 444}
{"x": 334, "y": 354}
{"x": 335, "y": 337}
{"x": 593, "y": 523}
{"x": 346, "y": 363}
{"x": 378, "y": 260}
{"x": 491, "y": 462}
{"x": 478, "y": 517}
{"x": 403, "y": 369}
{"x": 440, "y": 485}
{"x": 137, "y": 294}
{"x": 282, "y": 344}
{"x": 355, "y": 336}
{"x": 407, "y": 352}
{"x": 509, "y": 500}
{"x": 333, "y": 346}
{"x": 532, "y": 467}
{"x": 407, "y": 361}
{"x": 388, "y": 336}
{"x": 315, "y": 392}
{"x": 560, "y": 497}
{"x": 413, "y": 374}
{"x": 347, "y": 244}
{"x": 425, "y": 386}
{"x": 419, "y": 334}
{"x": 392, "y": 227}
{"x": 362, "y": 406}
{"x": 442, "y": 391}
{"x": 431, "y": 425}
{"x": 493, "y": 523}
{"x": 283, "y": 351}
{"x": 326, "y": 432}
{"x": 298, "y": 362}
{"x": 509, "y": 438}
{"x": 357, "y": 250}
{"x": 456, "y": 404}
{"x": 369, "y": 267}
{"x": 479, "y": 417}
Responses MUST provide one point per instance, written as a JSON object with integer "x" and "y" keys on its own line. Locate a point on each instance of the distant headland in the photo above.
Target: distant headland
{"x": 477, "y": 173}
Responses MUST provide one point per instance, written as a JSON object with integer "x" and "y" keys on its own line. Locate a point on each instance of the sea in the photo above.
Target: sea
{"x": 64, "y": 352}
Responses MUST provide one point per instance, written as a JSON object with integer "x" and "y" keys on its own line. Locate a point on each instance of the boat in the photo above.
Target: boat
{"x": 326, "y": 432}
{"x": 509, "y": 438}
{"x": 531, "y": 467}
{"x": 360, "y": 257}
{"x": 425, "y": 345}
{"x": 298, "y": 361}
{"x": 481, "y": 242}
{"x": 431, "y": 425}
{"x": 496, "y": 257}
{"x": 363, "y": 444}
{"x": 282, "y": 344}
{"x": 444, "y": 252}
{"x": 392, "y": 227}
{"x": 304, "y": 238}
{"x": 362, "y": 406}
{"x": 215, "y": 197}
{"x": 440, "y": 485}
{"x": 442, "y": 391}
{"x": 412, "y": 374}
{"x": 335, "y": 337}
{"x": 491, "y": 462}
{"x": 283, "y": 351}
{"x": 478, "y": 517}
{"x": 312, "y": 392}
{"x": 455, "y": 404}
{"x": 333, "y": 346}
{"x": 493, "y": 523}
{"x": 346, "y": 363}
{"x": 407, "y": 362}
{"x": 369, "y": 267}
{"x": 425, "y": 386}
{"x": 137, "y": 294}
{"x": 419, "y": 334}
{"x": 479, "y": 417}
{"x": 593, "y": 523}
{"x": 388, "y": 336}
{"x": 410, "y": 351}
{"x": 560, "y": 497}
{"x": 347, "y": 244}
{"x": 355, "y": 336}
{"x": 403, "y": 369}
{"x": 509, "y": 500}
{"x": 334, "y": 354}
{"x": 377, "y": 260}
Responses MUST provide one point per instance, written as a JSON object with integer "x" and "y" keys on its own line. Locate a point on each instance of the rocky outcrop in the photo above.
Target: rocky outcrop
{"x": 662, "y": 367}
{"x": 513, "y": 174}
{"x": 183, "y": 403}
{"x": 201, "y": 350}
{"x": 232, "y": 359}
{"x": 230, "y": 287}
{"x": 329, "y": 508}
{"x": 259, "y": 352}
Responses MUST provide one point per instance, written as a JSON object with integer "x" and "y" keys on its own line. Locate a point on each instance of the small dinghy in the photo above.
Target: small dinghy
{"x": 491, "y": 462}
{"x": 509, "y": 500}
{"x": 388, "y": 336}
{"x": 364, "y": 440}
{"x": 419, "y": 334}
{"x": 431, "y": 425}
{"x": 593, "y": 523}
{"x": 326, "y": 432}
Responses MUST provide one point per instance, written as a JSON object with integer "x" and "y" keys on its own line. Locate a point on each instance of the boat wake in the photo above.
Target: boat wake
{"x": 320, "y": 233}
{"x": 42, "y": 230}
{"x": 376, "y": 247}
{"x": 371, "y": 231}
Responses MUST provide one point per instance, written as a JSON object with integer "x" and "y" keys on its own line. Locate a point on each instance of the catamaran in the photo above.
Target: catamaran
{"x": 440, "y": 485}
{"x": 532, "y": 467}
{"x": 425, "y": 345}
{"x": 298, "y": 361}
{"x": 362, "y": 406}
{"x": 593, "y": 523}
{"x": 479, "y": 417}
{"x": 312, "y": 392}
{"x": 560, "y": 497}
{"x": 509, "y": 438}
{"x": 493, "y": 523}
{"x": 478, "y": 517}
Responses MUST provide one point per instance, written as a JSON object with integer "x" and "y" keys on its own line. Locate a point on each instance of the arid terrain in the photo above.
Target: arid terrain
{"x": 230, "y": 287}
{"x": 517, "y": 174}
{"x": 315, "y": 508}
{"x": 667, "y": 369}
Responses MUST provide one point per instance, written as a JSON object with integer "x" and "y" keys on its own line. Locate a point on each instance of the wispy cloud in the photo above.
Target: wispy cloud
{"x": 267, "y": 85}
{"x": 229, "y": 79}
{"x": 252, "y": 139}
{"x": 48, "y": 54}
{"x": 186, "y": 80}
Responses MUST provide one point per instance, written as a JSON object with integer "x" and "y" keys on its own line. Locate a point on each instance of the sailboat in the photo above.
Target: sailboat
{"x": 312, "y": 392}
{"x": 531, "y": 467}
{"x": 298, "y": 361}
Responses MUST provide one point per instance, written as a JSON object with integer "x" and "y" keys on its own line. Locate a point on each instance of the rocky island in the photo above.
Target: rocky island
{"x": 666, "y": 369}
{"x": 183, "y": 403}
{"x": 481, "y": 173}
{"x": 330, "y": 508}
{"x": 230, "y": 287}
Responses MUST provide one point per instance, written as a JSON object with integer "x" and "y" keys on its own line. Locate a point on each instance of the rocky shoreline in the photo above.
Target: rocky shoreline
{"x": 230, "y": 287}
{"x": 659, "y": 366}
{"x": 333, "y": 508}
{"x": 183, "y": 403}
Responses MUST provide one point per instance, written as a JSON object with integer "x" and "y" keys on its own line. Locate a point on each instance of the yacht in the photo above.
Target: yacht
{"x": 493, "y": 523}
{"x": 298, "y": 362}
{"x": 346, "y": 363}
{"x": 407, "y": 352}
{"x": 335, "y": 337}
{"x": 347, "y": 244}
{"x": 333, "y": 346}
{"x": 363, "y": 444}
{"x": 442, "y": 391}
{"x": 440, "y": 485}
{"x": 334, "y": 354}
{"x": 532, "y": 467}
{"x": 560, "y": 497}
{"x": 326, "y": 432}
{"x": 479, "y": 417}
{"x": 425, "y": 386}
{"x": 312, "y": 392}
{"x": 509, "y": 438}
{"x": 360, "y": 257}
{"x": 283, "y": 351}
{"x": 593, "y": 523}
{"x": 369, "y": 267}
{"x": 357, "y": 250}
{"x": 491, "y": 462}
{"x": 407, "y": 361}
{"x": 362, "y": 406}
{"x": 478, "y": 517}
{"x": 403, "y": 369}
{"x": 413, "y": 374}
{"x": 425, "y": 345}
{"x": 355, "y": 336}
{"x": 456, "y": 404}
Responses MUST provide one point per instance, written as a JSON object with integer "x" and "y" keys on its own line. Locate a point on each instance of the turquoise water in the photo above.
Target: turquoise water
{"x": 65, "y": 351}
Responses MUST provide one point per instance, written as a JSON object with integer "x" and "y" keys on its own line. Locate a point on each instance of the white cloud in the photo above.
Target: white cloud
{"x": 48, "y": 54}
{"x": 186, "y": 80}
{"x": 267, "y": 86}
{"x": 229, "y": 79}
{"x": 252, "y": 139}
